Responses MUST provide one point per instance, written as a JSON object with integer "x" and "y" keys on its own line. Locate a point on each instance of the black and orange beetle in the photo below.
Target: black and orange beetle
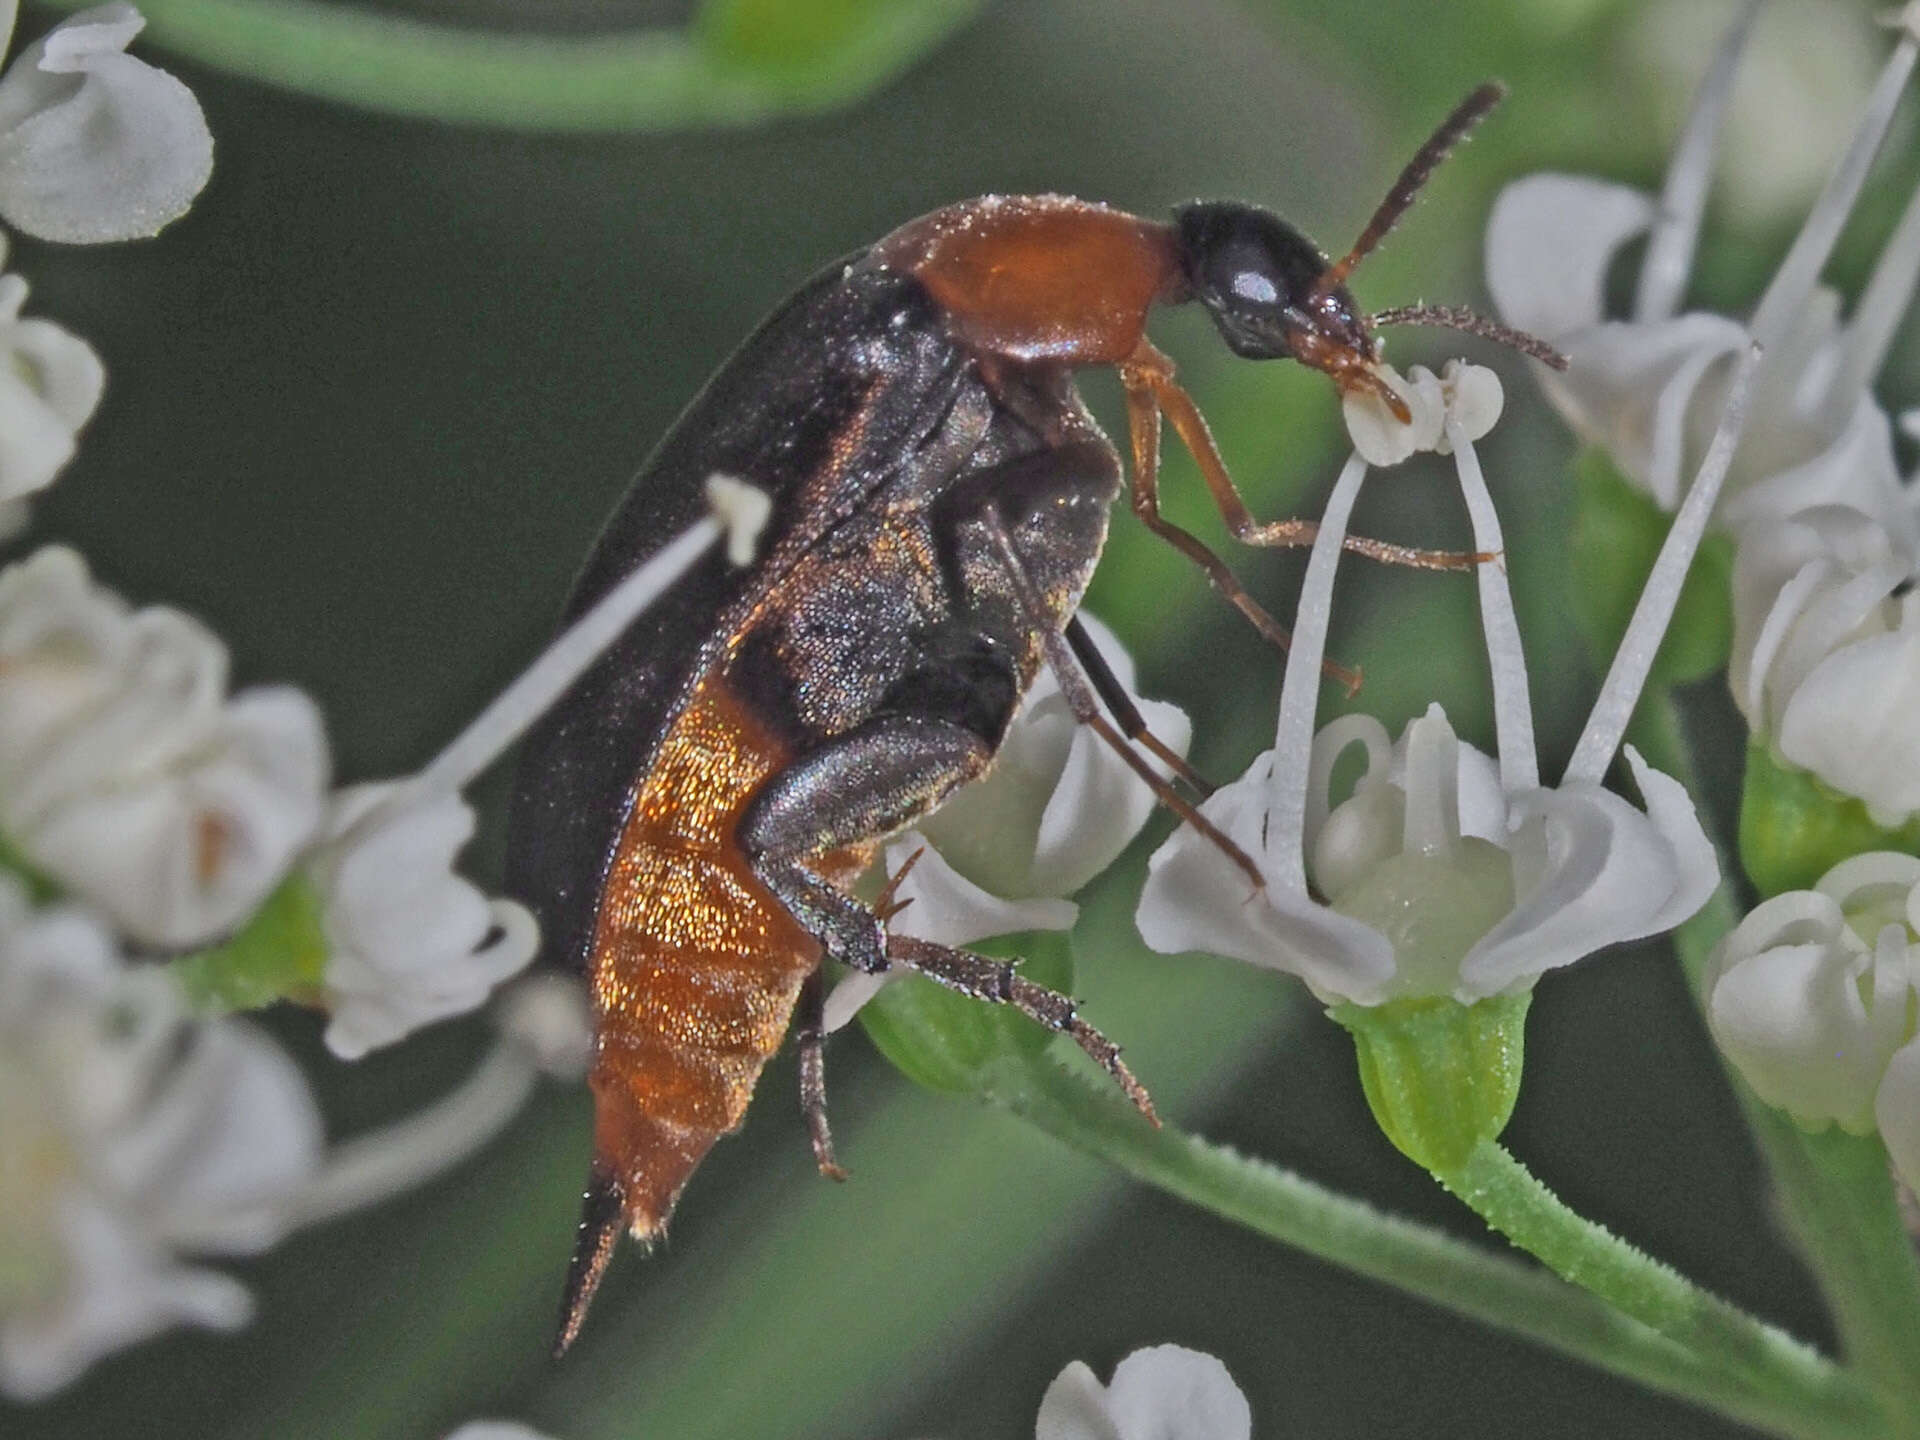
{"x": 686, "y": 820}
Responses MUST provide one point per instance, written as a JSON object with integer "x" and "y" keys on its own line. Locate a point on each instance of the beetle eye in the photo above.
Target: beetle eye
{"x": 1252, "y": 285}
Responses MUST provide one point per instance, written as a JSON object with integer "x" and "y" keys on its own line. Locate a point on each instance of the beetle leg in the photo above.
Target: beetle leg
{"x": 999, "y": 983}
{"x": 1143, "y": 427}
{"x": 1125, "y": 713}
{"x": 870, "y": 781}
{"x": 1151, "y": 391}
{"x": 1073, "y": 688}
{"x": 811, "y": 1034}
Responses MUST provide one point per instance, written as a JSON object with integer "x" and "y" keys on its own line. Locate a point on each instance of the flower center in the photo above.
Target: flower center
{"x": 1434, "y": 906}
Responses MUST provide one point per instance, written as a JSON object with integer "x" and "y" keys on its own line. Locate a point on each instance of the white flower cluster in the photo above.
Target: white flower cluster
{"x": 1809, "y": 998}
{"x": 166, "y": 812}
{"x": 95, "y": 146}
{"x": 132, "y": 1132}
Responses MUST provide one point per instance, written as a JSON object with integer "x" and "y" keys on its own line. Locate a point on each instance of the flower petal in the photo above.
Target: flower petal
{"x": 1851, "y": 721}
{"x": 1855, "y": 468}
{"x": 1606, "y": 873}
{"x": 245, "y": 1135}
{"x": 1630, "y": 389}
{"x": 1550, "y": 241}
{"x": 95, "y": 145}
{"x": 180, "y": 857}
{"x": 1097, "y": 805}
{"x": 1785, "y": 1001}
{"x": 1075, "y": 1408}
{"x": 1195, "y": 899}
{"x": 1168, "y": 1392}
{"x": 410, "y": 941}
{"x": 1896, "y": 1109}
{"x": 122, "y": 1291}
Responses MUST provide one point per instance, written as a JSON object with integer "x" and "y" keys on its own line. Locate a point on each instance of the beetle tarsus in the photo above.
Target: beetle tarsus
{"x": 810, "y": 1033}
{"x": 998, "y": 982}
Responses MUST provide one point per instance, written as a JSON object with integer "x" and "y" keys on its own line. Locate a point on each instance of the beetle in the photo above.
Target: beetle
{"x": 687, "y": 820}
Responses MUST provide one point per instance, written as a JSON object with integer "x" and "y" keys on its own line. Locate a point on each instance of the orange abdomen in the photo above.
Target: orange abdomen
{"x": 695, "y": 968}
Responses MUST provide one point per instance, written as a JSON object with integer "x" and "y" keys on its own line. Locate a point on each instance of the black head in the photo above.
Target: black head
{"x": 1264, "y": 283}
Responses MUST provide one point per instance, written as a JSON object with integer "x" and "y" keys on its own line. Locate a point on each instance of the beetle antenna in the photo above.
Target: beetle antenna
{"x": 1457, "y": 317}
{"x": 1467, "y": 114}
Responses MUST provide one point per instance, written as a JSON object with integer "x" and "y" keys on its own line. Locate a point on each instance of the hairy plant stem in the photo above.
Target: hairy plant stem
{"x": 1760, "y": 1376}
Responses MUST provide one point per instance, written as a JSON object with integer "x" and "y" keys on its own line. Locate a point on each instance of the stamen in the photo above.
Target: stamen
{"x": 1455, "y": 128}
{"x": 1458, "y": 317}
{"x": 1800, "y": 271}
{"x": 1633, "y": 661}
{"x": 1877, "y": 315}
{"x": 405, "y": 1155}
{"x": 1512, "y": 701}
{"x": 1300, "y": 689}
{"x": 549, "y": 677}
{"x": 1676, "y": 228}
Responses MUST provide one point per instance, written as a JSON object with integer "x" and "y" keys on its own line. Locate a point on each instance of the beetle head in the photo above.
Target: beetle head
{"x": 1266, "y": 287}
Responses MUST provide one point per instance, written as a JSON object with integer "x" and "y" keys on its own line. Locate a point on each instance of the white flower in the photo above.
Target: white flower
{"x": 1058, "y": 806}
{"x": 1645, "y": 388}
{"x": 50, "y": 384}
{"x": 95, "y": 145}
{"x": 1826, "y": 653}
{"x": 1056, "y": 809}
{"x": 1165, "y": 1392}
{"x": 408, "y": 941}
{"x": 1445, "y": 873}
{"x": 1814, "y": 997}
{"x": 132, "y": 1134}
{"x": 496, "y": 1430}
{"x": 125, "y": 772}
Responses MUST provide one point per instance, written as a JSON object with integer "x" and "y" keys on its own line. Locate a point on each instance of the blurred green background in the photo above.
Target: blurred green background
{"x": 367, "y": 406}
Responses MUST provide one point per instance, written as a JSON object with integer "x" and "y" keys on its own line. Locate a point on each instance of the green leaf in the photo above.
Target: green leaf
{"x": 1794, "y": 827}
{"x": 279, "y": 954}
{"x": 949, "y": 1041}
{"x": 802, "y": 45}
{"x": 745, "y": 63}
{"x": 1617, "y": 533}
{"x": 1440, "y": 1076}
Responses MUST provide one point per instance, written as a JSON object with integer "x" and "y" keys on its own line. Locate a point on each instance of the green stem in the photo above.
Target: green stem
{"x": 637, "y": 80}
{"x": 1498, "y": 1188}
{"x": 1835, "y": 1190}
{"x": 1786, "y": 1389}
